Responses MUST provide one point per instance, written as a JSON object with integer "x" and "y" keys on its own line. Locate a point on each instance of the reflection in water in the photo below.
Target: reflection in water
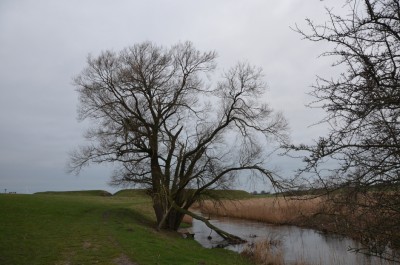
{"x": 298, "y": 244}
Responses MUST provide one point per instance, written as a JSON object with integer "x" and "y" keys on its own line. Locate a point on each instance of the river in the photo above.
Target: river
{"x": 296, "y": 244}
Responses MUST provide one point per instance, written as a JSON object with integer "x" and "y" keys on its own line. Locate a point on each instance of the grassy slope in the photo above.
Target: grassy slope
{"x": 77, "y": 193}
{"x": 82, "y": 229}
{"x": 227, "y": 195}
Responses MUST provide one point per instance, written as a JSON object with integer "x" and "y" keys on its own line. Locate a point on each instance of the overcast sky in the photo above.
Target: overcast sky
{"x": 45, "y": 43}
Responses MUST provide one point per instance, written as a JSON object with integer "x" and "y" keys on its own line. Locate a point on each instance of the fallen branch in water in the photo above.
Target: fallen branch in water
{"x": 231, "y": 239}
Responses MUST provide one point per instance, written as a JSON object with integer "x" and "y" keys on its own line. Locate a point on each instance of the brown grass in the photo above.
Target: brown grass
{"x": 264, "y": 253}
{"x": 187, "y": 219}
{"x": 268, "y": 252}
{"x": 274, "y": 210}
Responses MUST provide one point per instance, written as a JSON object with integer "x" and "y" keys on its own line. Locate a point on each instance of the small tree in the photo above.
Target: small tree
{"x": 363, "y": 113}
{"x": 169, "y": 131}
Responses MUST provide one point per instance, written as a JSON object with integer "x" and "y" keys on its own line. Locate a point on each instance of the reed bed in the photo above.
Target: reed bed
{"x": 187, "y": 219}
{"x": 274, "y": 210}
{"x": 264, "y": 253}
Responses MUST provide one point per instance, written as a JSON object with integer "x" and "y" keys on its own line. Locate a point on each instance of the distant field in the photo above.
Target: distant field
{"x": 226, "y": 194}
{"x": 77, "y": 193}
{"x": 210, "y": 194}
{"x": 92, "y": 227}
{"x": 131, "y": 193}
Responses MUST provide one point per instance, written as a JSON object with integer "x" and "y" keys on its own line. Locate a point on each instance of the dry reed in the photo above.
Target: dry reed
{"x": 187, "y": 219}
{"x": 274, "y": 210}
{"x": 264, "y": 253}
{"x": 268, "y": 252}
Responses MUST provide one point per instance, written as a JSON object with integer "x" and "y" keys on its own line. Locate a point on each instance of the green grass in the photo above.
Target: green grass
{"x": 137, "y": 193}
{"x": 83, "y": 229}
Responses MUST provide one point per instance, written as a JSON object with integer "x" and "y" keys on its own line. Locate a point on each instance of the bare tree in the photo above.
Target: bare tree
{"x": 361, "y": 153}
{"x": 156, "y": 117}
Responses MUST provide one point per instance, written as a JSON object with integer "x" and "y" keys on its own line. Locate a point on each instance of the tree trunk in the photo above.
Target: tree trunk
{"x": 231, "y": 239}
{"x": 174, "y": 219}
{"x": 167, "y": 216}
{"x": 159, "y": 210}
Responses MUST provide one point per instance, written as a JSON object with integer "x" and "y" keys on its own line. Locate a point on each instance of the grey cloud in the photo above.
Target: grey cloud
{"x": 44, "y": 44}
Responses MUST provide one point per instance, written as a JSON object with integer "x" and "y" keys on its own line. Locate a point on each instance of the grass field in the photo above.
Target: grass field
{"x": 92, "y": 228}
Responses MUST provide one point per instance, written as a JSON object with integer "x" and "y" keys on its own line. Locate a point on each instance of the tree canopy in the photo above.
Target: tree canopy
{"x": 160, "y": 119}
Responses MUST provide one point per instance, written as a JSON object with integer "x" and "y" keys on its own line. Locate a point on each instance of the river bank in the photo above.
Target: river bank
{"x": 301, "y": 211}
{"x": 283, "y": 244}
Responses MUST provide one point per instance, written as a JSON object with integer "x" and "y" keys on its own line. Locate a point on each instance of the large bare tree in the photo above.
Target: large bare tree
{"x": 361, "y": 153}
{"x": 158, "y": 117}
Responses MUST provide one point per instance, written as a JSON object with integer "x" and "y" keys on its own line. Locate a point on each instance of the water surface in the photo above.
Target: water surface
{"x": 298, "y": 244}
